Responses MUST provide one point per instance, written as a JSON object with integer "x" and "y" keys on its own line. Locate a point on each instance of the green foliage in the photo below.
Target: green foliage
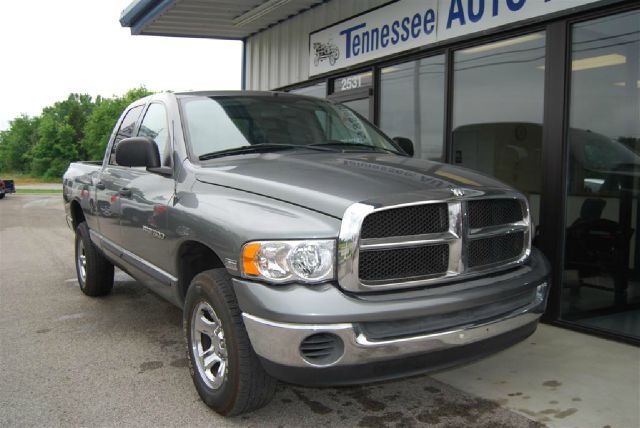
{"x": 16, "y": 143}
{"x": 59, "y": 132}
{"x": 74, "y": 129}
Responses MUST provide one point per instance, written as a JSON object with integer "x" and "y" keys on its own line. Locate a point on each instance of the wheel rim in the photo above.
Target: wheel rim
{"x": 208, "y": 345}
{"x": 81, "y": 262}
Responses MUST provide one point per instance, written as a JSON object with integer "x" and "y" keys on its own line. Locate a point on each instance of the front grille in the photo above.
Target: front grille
{"x": 493, "y": 212}
{"x": 495, "y": 249}
{"x": 403, "y": 263}
{"x": 431, "y": 243}
{"x": 406, "y": 221}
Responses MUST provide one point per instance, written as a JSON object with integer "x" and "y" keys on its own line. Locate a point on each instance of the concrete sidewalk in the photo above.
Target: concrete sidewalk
{"x": 560, "y": 378}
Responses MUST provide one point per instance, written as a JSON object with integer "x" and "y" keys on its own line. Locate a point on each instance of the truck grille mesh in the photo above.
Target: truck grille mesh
{"x": 414, "y": 243}
{"x": 413, "y": 220}
{"x": 402, "y": 263}
{"x": 493, "y": 212}
{"x": 495, "y": 249}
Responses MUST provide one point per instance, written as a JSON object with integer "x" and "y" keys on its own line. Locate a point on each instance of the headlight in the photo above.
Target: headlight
{"x": 285, "y": 261}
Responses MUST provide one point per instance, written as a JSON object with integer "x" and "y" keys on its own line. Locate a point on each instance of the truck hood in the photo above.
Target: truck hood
{"x": 330, "y": 182}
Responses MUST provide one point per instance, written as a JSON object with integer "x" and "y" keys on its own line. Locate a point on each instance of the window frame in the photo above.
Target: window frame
{"x": 106, "y": 162}
{"x": 169, "y": 130}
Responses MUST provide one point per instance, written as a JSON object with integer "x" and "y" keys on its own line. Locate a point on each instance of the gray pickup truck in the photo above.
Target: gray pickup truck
{"x": 302, "y": 243}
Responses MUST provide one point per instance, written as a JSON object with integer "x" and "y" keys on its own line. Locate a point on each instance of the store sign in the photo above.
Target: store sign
{"x": 408, "y": 24}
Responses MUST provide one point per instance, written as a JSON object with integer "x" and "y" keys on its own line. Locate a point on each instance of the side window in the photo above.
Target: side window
{"x": 125, "y": 130}
{"x": 154, "y": 126}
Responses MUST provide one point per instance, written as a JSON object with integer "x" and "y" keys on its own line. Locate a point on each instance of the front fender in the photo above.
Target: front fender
{"x": 224, "y": 219}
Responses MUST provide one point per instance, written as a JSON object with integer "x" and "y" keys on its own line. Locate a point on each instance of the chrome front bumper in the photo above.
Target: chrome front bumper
{"x": 279, "y": 342}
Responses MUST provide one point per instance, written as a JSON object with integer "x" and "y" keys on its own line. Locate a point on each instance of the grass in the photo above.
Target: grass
{"x": 21, "y": 179}
{"x": 36, "y": 191}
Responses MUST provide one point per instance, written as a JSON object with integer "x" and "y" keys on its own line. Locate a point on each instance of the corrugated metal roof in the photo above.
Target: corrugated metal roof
{"x": 206, "y": 18}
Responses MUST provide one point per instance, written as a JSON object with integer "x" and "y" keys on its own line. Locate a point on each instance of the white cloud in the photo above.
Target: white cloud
{"x": 52, "y": 48}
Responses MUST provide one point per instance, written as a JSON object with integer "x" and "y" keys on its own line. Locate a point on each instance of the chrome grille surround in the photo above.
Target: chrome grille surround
{"x": 457, "y": 237}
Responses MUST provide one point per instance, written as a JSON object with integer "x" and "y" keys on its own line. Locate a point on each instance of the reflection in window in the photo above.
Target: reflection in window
{"x": 412, "y": 104}
{"x": 361, "y": 106}
{"x": 211, "y": 129}
{"x": 602, "y": 258}
{"x": 220, "y": 123}
{"x": 154, "y": 126}
{"x": 497, "y": 112}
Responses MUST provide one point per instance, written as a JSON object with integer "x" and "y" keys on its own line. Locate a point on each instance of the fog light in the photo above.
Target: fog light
{"x": 322, "y": 349}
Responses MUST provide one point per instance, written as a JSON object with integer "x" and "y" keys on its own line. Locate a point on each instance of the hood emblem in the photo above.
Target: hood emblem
{"x": 457, "y": 191}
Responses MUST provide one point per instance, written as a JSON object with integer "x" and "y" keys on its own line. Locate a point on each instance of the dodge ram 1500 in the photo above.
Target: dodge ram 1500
{"x": 302, "y": 243}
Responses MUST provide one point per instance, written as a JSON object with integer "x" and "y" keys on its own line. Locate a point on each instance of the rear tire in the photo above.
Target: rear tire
{"x": 94, "y": 270}
{"x": 228, "y": 375}
{"x": 1, "y": 195}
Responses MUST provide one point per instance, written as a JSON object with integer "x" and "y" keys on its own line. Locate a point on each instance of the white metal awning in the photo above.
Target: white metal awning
{"x": 216, "y": 19}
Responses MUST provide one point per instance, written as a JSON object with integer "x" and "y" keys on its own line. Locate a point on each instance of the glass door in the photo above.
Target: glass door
{"x": 356, "y": 92}
{"x": 601, "y": 286}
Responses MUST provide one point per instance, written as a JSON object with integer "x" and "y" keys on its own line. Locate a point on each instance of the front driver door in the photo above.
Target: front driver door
{"x": 111, "y": 179}
{"x": 145, "y": 207}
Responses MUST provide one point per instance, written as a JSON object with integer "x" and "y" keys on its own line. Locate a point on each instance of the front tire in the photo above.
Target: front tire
{"x": 95, "y": 272}
{"x": 225, "y": 370}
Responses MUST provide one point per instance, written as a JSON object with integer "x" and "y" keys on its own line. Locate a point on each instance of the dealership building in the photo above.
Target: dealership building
{"x": 542, "y": 94}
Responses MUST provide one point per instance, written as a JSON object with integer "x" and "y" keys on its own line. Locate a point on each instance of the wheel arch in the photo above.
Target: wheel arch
{"x": 192, "y": 258}
{"x": 77, "y": 215}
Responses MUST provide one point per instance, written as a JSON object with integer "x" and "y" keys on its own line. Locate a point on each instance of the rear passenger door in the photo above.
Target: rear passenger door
{"x": 112, "y": 179}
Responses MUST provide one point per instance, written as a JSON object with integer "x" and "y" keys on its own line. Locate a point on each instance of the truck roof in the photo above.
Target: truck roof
{"x": 239, "y": 93}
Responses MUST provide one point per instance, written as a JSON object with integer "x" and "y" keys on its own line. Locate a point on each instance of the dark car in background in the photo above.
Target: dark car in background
{"x": 6, "y": 186}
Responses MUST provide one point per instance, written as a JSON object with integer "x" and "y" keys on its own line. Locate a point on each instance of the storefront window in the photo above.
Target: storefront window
{"x": 497, "y": 112}
{"x": 602, "y": 255}
{"x": 412, "y": 104}
{"x": 354, "y": 91}
{"x": 319, "y": 90}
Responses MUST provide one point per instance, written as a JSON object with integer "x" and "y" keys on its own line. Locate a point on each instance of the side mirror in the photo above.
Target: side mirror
{"x": 138, "y": 151}
{"x": 405, "y": 144}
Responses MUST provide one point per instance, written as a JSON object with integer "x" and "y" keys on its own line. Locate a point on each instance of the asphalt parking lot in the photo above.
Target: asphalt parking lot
{"x": 66, "y": 359}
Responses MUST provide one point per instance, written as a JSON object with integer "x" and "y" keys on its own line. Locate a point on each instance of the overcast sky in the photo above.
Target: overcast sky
{"x": 50, "y": 48}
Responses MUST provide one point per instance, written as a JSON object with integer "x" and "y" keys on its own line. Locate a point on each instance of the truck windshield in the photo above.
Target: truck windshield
{"x": 225, "y": 123}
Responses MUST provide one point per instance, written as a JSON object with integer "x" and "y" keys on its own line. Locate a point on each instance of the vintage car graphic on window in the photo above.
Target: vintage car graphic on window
{"x": 325, "y": 51}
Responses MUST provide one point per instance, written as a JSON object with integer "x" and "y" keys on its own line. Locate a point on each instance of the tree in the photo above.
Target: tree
{"x": 17, "y": 142}
{"x": 60, "y": 129}
{"x": 73, "y": 129}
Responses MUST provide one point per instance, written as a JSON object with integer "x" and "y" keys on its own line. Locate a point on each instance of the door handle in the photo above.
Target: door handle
{"x": 125, "y": 192}
{"x": 100, "y": 185}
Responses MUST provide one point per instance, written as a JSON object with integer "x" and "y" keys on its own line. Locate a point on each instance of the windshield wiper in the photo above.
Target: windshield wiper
{"x": 258, "y": 148}
{"x": 333, "y": 143}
